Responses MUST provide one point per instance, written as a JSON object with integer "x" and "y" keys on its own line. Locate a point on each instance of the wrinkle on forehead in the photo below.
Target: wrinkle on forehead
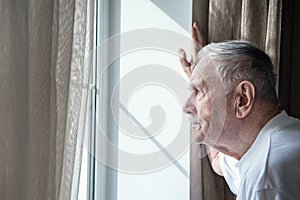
{"x": 204, "y": 73}
{"x": 206, "y": 65}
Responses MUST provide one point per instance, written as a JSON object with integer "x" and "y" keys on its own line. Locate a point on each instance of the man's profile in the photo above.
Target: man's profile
{"x": 264, "y": 140}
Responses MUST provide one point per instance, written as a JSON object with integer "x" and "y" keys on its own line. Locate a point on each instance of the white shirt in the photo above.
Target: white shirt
{"x": 230, "y": 172}
{"x": 270, "y": 169}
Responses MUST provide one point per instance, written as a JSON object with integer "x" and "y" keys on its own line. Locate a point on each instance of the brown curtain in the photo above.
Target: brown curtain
{"x": 44, "y": 76}
{"x": 289, "y": 79}
{"x": 257, "y": 21}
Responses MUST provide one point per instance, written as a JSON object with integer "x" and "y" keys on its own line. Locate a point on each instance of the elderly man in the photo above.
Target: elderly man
{"x": 234, "y": 105}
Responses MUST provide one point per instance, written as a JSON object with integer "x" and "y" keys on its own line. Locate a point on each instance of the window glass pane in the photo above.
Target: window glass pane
{"x": 151, "y": 118}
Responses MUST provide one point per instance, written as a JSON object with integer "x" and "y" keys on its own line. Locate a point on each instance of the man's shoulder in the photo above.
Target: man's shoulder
{"x": 281, "y": 173}
{"x": 283, "y": 162}
{"x": 286, "y": 139}
{"x": 285, "y": 144}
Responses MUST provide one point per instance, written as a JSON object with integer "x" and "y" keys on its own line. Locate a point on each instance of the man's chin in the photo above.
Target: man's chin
{"x": 202, "y": 139}
{"x": 198, "y": 138}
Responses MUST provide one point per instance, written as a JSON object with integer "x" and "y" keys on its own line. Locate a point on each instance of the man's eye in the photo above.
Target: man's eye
{"x": 196, "y": 91}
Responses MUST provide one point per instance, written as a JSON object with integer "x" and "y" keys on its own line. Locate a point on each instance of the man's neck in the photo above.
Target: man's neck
{"x": 249, "y": 128}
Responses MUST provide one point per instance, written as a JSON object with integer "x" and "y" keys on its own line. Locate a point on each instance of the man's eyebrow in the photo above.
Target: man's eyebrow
{"x": 199, "y": 84}
{"x": 193, "y": 85}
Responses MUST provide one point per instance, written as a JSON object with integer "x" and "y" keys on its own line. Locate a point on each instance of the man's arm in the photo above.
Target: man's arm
{"x": 214, "y": 158}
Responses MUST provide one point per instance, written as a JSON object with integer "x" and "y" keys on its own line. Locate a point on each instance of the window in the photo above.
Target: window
{"x": 139, "y": 141}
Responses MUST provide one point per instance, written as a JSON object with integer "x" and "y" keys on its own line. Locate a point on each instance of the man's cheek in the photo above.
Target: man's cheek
{"x": 206, "y": 110}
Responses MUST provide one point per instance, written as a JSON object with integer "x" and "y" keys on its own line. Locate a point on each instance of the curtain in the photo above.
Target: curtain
{"x": 13, "y": 98}
{"x": 257, "y": 21}
{"x": 289, "y": 79}
{"x": 72, "y": 61}
{"x": 72, "y": 42}
{"x": 45, "y": 67}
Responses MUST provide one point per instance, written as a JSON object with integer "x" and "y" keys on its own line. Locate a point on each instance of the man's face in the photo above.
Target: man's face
{"x": 198, "y": 105}
{"x": 206, "y": 104}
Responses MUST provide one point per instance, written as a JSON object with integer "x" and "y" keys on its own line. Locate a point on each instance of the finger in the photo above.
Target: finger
{"x": 195, "y": 47}
{"x": 194, "y": 33}
{"x": 184, "y": 63}
{"x": 199, "y": 34}
{"x": 188, "y": 71}
{"x": 182, "y": 58}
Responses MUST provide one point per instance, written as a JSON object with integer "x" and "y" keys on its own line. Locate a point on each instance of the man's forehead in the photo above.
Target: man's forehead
{"x": 203, "y": 70}
{"x": 205, "y": 64}
{"x": 196, "y": 79}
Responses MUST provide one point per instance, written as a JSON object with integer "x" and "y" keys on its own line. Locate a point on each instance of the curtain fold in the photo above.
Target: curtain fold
{"x": 254, "y": 19}
{"x": 258, "y": 21}
{"x": 45, "y": 68}
{"x": 78, "y": 90}
{"x": 63, "y": 17}
{"x": 75, "y": 21}
{"x": 273, "y": 35}
{"x": 13, "y": 98}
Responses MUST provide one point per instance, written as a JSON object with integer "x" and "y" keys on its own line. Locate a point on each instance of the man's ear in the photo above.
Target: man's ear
{"x": 244, "y": 98}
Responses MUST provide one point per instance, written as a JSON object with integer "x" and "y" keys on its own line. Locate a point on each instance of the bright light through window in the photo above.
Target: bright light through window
{"x": 153, "y": 106}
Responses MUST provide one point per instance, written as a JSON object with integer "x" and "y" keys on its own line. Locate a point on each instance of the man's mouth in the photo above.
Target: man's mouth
{"x": 196, "y": 131}
{"x": 195, "y": 122}
{"x": 196, "y": 126}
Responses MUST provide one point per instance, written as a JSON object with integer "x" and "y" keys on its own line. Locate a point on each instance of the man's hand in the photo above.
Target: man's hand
{"x": 198, "y": 42}
{"x": 214, "y": 158}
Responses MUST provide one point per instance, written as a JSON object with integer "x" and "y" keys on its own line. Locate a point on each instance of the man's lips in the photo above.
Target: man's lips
{"x": 196, "y": 126}
{"x": 195, "y": 121}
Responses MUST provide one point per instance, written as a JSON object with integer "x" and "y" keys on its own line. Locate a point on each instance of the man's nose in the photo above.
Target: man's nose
{"x": 188, "y": 107}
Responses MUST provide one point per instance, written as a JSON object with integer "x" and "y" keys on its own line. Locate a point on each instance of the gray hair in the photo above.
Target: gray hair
{"x": 240, "y": 60}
